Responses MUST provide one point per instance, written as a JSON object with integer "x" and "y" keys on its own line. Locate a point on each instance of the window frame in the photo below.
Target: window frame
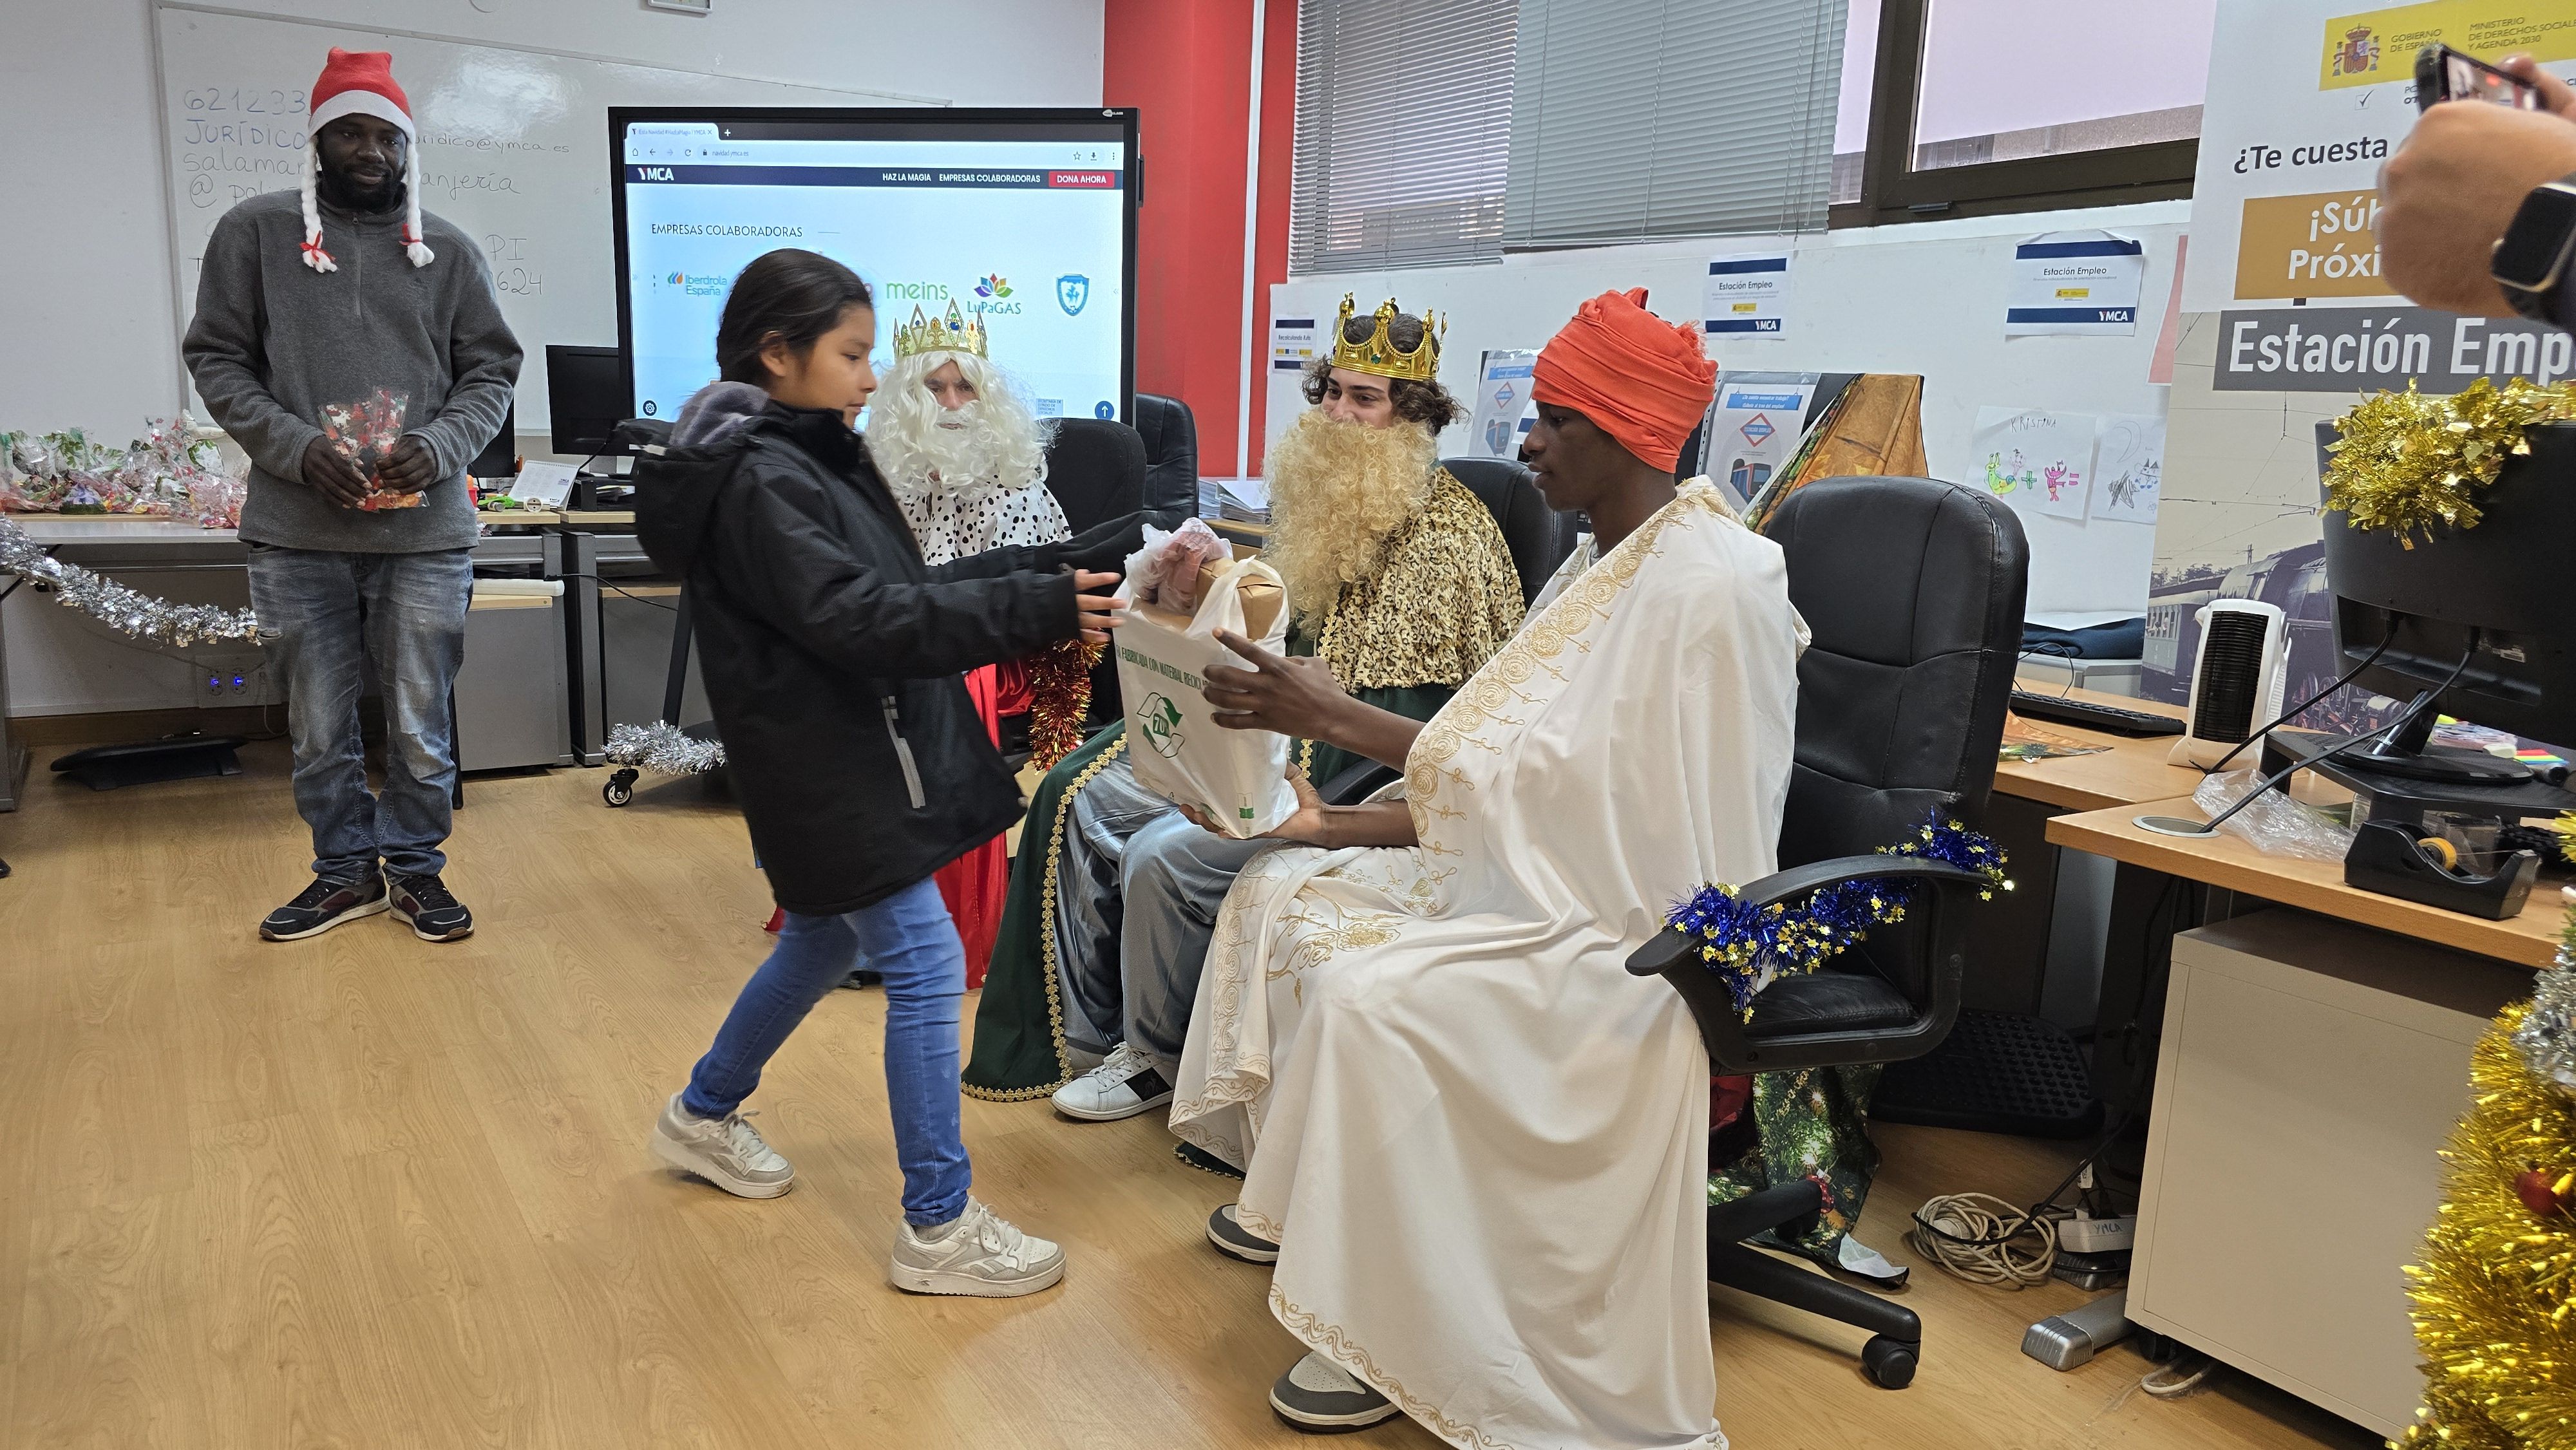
{"x": 1892, "y": 191}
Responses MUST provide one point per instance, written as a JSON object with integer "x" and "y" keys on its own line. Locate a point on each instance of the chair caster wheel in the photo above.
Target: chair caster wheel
{"x": 1889, "y": 1363}
{"x": 620, "y": 788}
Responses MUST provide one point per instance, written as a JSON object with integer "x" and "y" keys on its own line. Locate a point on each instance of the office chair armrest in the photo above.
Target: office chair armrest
{"x": 1356, "y": 782}
{"x": 1674, "y": 956}
{"x": 1671, "y": 947}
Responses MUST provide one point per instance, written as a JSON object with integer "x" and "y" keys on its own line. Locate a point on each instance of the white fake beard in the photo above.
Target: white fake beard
{"x": 1337, "y": 490}
{"x": 924, "y": 448}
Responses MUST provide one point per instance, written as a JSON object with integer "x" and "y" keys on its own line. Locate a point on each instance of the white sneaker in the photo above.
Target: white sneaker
{"x": 727, "y": 1152}
{"x": 1123, "y": 1085}
{"x": 982, "y": 1254}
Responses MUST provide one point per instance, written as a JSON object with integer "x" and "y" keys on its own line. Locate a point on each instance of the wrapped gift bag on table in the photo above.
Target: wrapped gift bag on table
{"x": 1239, "y": 778}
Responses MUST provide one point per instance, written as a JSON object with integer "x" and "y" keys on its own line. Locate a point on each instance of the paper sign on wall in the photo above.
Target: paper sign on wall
{"x": 1747, "y": 295}
{"x": 1504, "y": 409}
{"x": 1754, "y": 424}
{"x": 2128, "y": 467}
{"x": 1292, "y": 343}
{"x": 2037, "y": 461}
{"x": 2082, "y": 284}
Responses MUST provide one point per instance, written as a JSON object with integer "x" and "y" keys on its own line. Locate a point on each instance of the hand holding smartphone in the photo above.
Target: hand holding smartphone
{"x": 2443, "y": 74}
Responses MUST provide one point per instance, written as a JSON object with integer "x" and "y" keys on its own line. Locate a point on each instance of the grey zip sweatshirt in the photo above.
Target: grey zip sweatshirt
{"x": 273, "y": 341}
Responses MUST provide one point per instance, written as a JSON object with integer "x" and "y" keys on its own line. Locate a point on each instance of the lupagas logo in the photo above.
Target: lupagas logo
{"x": 995, "y": 289}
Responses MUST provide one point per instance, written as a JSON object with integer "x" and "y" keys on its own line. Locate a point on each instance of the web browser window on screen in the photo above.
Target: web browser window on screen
{"x": 1022, "y": 222}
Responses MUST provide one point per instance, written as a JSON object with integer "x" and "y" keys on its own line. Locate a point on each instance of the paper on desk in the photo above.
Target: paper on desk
{"x": 543, "y": 485}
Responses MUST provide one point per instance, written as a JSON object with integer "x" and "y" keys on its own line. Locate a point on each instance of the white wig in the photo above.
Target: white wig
{"x": 994, "y": 443}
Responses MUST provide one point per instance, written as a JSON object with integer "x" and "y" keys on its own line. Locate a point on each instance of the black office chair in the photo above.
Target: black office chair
{"x": 1538, "y": 536}
{"x": 1914, "y": 592}
{"x": 1096, "y": 470}
{"x": 1171, "y": 437}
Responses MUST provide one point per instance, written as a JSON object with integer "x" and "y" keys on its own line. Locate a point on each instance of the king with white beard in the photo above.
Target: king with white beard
{"x": 964, "y": 455}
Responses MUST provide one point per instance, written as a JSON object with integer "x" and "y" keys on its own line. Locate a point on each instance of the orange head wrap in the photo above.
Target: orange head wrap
{"x": 1644, "y": 381}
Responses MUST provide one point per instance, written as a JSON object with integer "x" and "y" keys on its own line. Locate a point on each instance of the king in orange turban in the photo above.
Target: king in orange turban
{"x": 1644, "y": 381}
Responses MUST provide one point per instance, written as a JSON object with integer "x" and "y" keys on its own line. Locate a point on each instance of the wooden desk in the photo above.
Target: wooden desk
{"x": 2133, "y": 769}
{"x": 2232, "y": 863}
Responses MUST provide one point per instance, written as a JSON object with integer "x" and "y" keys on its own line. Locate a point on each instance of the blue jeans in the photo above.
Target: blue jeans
{"x": 909, "y": 939}
{"x": 322, "y": 617}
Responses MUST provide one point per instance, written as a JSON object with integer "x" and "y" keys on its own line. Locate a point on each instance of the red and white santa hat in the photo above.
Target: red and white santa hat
{"x": 361, "y": 83}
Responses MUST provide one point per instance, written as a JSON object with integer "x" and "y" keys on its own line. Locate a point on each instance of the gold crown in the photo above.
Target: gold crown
{"x": 1379, "y": 355}
{"x": 953, "y": 333}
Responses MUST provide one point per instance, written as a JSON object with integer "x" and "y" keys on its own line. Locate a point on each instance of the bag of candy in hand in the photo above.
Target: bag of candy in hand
{"x": 365, "y": 432}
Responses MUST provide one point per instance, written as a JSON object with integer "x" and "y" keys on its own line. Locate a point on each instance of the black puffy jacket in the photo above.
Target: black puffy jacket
{"x": 832, "y": 653}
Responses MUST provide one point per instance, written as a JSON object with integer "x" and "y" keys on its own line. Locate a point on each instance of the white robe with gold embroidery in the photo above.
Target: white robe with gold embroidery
{"x": 1481, "y": 1144}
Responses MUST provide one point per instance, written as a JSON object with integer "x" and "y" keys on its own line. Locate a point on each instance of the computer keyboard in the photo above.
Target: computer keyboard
{"x": 2067, "y": 711}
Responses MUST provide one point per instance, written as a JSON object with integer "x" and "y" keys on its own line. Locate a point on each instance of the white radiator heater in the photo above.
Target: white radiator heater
{"x": 2236, "y": 682}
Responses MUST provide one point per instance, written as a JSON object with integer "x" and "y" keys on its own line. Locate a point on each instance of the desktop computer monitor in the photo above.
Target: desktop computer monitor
{"x": 586, "y": 396}
{"x": 2495, "y": 595}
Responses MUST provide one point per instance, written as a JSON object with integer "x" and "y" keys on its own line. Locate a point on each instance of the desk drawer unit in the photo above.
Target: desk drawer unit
{"x": 2311, "y": 1071}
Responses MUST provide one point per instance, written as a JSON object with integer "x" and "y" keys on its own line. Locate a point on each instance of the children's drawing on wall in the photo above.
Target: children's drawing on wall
{"x": 2037, "y": 461}
{"x": 2129, "y": 465}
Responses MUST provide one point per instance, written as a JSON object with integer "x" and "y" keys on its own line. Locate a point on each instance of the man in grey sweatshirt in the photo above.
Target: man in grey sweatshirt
{"x": 320, "y": 299}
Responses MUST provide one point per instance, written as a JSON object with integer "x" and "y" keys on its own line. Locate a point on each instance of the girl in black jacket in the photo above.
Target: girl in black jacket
{"x": 831, "y": 657}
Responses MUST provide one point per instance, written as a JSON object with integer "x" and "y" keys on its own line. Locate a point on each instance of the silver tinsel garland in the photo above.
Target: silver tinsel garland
{"x": 663, "y": 749}
{"x": 124, "y": 610}
{"x": 2547, "y": 1036}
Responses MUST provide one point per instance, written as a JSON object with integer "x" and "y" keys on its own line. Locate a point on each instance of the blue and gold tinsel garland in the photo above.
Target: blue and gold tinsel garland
{"x": 1748, "y": 945}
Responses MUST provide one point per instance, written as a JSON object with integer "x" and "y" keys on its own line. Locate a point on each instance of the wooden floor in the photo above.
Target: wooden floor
{"x": 367, "y": 1192}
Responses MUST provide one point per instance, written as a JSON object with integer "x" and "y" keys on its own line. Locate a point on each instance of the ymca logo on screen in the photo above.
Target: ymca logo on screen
{"x": 1072, "y": 290}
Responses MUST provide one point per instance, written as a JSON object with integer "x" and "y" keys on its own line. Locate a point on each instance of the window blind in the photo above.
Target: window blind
{"x": 1404, "y": 114}
{"x": 1641, "y": 119}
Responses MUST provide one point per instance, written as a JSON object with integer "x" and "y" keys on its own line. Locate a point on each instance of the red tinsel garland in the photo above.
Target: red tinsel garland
{"x": 1059, "y": 699}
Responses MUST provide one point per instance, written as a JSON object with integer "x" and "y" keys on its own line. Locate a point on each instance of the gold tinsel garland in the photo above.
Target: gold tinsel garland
{"x": 2495, "y": 1297}
{"x": 2407, "y": 462}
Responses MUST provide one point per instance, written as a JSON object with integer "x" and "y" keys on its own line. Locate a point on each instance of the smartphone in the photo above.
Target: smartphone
{"x": 2443, "y": 74}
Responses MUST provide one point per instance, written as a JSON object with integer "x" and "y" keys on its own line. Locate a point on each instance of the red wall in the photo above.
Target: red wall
{"x": 1185, "y": 65}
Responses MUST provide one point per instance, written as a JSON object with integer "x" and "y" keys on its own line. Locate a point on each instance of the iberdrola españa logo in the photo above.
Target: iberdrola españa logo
{"x": 1162, "y": 726}
{"x": 993, "y": 285}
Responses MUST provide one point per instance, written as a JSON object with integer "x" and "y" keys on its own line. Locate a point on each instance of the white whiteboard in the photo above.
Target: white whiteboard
{"x": 513, "y": 150}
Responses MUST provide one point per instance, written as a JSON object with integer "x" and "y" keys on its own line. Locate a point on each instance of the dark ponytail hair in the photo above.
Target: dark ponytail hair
{"x": 795, "y": 296}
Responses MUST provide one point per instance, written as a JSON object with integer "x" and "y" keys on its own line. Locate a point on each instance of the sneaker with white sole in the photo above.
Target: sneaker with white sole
{"x": 1319, "y": 1397}
{"x": 1123, "y": 1085}
{"x": 981, "y": 1254}
{"x": 1235, "y": 1241}
{"x": 325, "y": 904}
{"x": 727, "y": 1152}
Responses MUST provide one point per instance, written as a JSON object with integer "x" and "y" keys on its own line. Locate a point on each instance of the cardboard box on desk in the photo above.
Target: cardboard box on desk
{"x": 1238, "y": 778}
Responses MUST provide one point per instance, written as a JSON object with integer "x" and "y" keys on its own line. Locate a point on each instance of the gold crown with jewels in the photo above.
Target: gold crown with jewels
{"x": 954, "y": 333}
{"x": 1379, "y": 355}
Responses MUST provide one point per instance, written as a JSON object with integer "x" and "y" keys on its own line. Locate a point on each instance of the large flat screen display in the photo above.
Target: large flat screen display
{"x": 1026, "y": 217}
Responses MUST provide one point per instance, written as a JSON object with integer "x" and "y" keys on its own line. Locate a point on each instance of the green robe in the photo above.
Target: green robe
{"x": 1019, "y": 1049}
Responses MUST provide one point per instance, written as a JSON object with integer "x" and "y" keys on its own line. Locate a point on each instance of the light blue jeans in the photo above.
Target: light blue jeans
{"x": 322, "y": 617}
{"x": 908, "y": 938}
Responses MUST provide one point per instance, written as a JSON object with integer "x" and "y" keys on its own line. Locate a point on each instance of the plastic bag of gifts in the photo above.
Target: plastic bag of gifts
{"x": 1238, "y": 779}
{"x": 365, "y": 433}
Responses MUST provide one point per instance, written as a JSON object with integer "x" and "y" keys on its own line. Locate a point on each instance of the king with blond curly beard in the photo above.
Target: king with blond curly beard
{"x": 1396, "y": 575}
